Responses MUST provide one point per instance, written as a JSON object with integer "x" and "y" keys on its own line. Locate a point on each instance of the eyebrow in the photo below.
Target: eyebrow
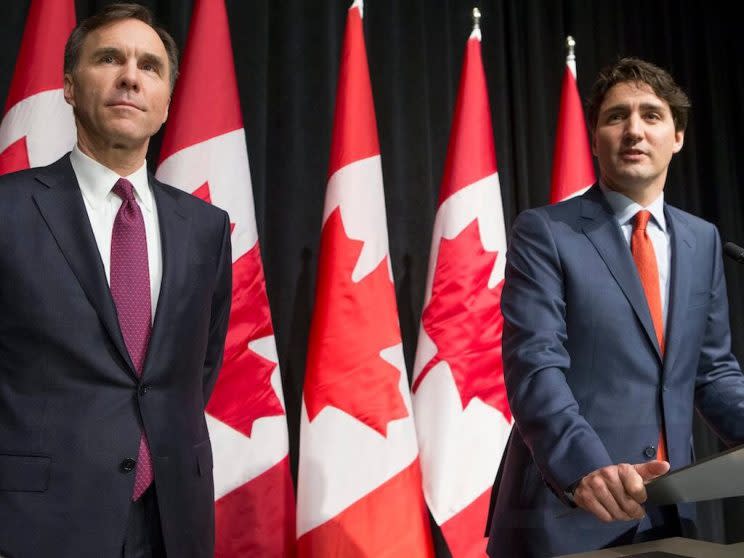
{"x": 153, "y": 59}
{"x": 643, "y": 106}
{"x": 147, "y": 57}
{"x": 106, "y": 51}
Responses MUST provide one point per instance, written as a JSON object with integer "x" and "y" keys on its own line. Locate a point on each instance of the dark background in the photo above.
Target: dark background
{"x": 286, "y": 59}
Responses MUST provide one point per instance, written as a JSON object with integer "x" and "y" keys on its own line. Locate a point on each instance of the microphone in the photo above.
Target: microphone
{"x": 734, "y": 252}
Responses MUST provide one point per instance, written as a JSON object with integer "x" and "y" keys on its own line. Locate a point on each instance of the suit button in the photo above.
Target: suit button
{"x": 143, "y": 389}
{"x": 128, "y": 465}
{"x": 649, "y": 452}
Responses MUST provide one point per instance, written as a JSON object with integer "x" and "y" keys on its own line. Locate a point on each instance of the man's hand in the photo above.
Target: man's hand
{"x": 616, "y": 492}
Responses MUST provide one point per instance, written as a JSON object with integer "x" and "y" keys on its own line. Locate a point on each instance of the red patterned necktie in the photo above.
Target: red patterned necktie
{"x": 648, "y": 270}
{"x": 130, "y": 289}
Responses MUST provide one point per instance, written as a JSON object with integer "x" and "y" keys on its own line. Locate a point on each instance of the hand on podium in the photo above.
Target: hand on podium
{"x": 617, "y": 492}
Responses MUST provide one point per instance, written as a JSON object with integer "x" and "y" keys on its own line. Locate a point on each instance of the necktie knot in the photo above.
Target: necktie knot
{"x": 641, "y": 220}
{"x": 124, "y": 189}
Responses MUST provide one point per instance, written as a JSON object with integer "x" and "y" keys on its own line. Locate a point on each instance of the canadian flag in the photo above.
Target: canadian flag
{"x": 204, "y": 152}
{"x": 573, "y": 170}
{"x": 359, "y": 484}
{"x": 38, "y": 126}
{"x": 462, "y": 415}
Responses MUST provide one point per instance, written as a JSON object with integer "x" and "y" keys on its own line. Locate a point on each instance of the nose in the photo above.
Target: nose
{"x": 633, "y": 128}
{"x": 129, "y": 76}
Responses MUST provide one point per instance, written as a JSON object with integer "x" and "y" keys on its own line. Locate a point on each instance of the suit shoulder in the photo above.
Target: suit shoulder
{"x": 565, "y": 211}
{"x": 695, "y": 230}
{"x": 23, "y": 175}
{"x": 19, "y": 187}
{"x": 192, "y": 203}
{"x": 693, "y": 221}
{"x": 11, "y": 182}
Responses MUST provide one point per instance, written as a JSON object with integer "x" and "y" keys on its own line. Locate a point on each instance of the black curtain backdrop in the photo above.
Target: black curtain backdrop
{"x": 286, "y": 59}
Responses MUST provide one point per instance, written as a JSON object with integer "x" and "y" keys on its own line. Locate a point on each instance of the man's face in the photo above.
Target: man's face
{"x": 634, "y": 138}
{"x": 120, "y": 89}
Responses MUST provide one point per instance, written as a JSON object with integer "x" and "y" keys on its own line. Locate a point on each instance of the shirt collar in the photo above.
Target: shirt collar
{"x": 97, "y": 181}
{"x": 625, "y": 208}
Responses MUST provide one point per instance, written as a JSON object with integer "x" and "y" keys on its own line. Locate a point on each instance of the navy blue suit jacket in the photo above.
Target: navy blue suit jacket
{"x": 586, "y": 380}
{"x": 71, "y": 406}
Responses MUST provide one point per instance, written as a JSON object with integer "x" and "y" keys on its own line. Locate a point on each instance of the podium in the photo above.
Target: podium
{"x": 716, "y": 477}
{"x": 676, "y": 547}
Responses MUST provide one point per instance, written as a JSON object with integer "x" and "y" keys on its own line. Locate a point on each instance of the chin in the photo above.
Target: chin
{"x": 127, "y": 135}
{"x": 632, "y": 174}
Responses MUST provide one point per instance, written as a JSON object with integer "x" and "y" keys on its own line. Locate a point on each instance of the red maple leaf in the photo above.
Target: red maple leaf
{"x": 243, "y": 392}
{"x": 463, "y": 319}
{"x": 352, "y": 323}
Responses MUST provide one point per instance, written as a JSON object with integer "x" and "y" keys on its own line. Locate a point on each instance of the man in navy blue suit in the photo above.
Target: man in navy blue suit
{"x": 615, "y": 331}
{"x": 114, "y": 303}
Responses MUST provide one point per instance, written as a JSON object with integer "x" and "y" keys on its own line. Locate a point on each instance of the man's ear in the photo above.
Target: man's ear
{"x": 69, "y": 90}
{"x": 679, "y": 141}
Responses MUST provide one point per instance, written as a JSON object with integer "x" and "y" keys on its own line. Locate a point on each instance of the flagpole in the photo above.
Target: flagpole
{"x": 370, "y": 501}
{"x": 205, "y": 135}
{"x": 573, "y": 170}
{"x": 460, "y": 404}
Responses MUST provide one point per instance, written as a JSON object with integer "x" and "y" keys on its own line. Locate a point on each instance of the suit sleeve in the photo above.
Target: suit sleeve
{"x": 220, "y": 315}
{"x": 719, "y": 385}
{"x": 564, "y": 446}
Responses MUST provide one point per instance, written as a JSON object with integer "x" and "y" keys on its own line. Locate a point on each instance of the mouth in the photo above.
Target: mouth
{"x": 124, "y": 105}
{"x": 632, "y": 155}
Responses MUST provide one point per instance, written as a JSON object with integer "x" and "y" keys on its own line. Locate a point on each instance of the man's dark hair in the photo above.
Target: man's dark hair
{"x": 111, "y": 14}
{"x": 638, "y": 71}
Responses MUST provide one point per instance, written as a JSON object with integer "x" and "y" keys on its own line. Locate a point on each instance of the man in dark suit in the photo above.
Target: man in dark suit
{"x": 615, "y": 330}
{"x": 114, "y": 302}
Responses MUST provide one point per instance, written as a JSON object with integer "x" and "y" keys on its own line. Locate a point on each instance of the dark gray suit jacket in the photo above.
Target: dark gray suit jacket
{"x": 71, "y": 406}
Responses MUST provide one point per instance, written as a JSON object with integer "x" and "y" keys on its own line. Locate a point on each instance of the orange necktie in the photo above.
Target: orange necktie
{"x": 648, "y": 270}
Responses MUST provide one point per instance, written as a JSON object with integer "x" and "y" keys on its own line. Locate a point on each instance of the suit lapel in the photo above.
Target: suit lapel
{"x": 63, "y": 210}
{"x": 683, "y": 245}
{"x": 174, "y": 238}
{"x": 600, "y": 226}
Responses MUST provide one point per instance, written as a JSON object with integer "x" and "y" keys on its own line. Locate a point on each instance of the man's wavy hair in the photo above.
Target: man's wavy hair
{"x": 635, "y": 70}
{"x": 111, "y": 14}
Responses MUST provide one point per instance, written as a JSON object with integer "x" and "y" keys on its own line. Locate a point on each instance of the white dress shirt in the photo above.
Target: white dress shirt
{"x": 625, "y": 210}
{"x": 96, "y": 184}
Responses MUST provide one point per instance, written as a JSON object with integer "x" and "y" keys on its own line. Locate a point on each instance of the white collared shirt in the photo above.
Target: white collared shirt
{"x": 96, "y": 184}
{"x": 625, "y": 210}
